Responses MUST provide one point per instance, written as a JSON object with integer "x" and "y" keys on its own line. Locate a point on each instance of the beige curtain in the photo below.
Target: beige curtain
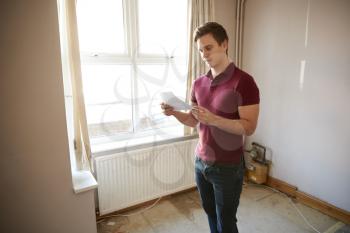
{"x": 240, "y": 5}
{"x": 199, "y": 12}
{"x": 72, "y": 73}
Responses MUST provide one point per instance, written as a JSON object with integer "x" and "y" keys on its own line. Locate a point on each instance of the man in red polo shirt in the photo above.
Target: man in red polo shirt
{"x": 226, "y": 105}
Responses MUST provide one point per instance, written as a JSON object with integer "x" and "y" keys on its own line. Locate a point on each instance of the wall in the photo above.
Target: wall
{"x": 299, "y": 54}
{"x": 225, "y": 14}
{"x": 35, "y": 177}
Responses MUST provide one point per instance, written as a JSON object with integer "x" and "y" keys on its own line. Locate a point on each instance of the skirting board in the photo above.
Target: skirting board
{"x": 309, "y": 200}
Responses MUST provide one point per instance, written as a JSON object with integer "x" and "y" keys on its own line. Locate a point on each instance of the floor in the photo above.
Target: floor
{"x": 261, "y": 210}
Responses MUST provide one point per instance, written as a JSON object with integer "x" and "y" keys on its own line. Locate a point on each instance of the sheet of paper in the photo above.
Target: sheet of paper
{"x": 170, "y": 99}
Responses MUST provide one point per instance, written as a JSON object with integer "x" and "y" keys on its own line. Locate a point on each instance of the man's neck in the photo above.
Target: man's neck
{"x": 215, "y": 71}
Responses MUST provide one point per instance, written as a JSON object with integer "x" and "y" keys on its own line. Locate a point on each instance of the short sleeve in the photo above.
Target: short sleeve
{"x": 248, "y": 90}
{"x": 193, "y": 94}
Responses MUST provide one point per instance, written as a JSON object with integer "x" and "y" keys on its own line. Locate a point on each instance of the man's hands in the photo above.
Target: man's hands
{"x": 203, "y": 115}
{"x": 167, "y": 109}
{"x": 246, "y": 125}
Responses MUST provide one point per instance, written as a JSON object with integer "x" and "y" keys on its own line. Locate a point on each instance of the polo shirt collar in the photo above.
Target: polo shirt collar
{"x": 223, "y": 76}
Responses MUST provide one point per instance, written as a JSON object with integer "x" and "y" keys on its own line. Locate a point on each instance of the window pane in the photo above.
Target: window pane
{"x": 109, "y": 120}
{"x": 151, "y": 80}
{"x": 107, "y": 93}
{"x": 100, "y": 26}
{"x": 162, "y": 26}
{"x": 106, "y": 83}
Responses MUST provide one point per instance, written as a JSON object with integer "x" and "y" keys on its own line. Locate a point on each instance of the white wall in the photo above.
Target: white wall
{"x": 35, "y": 177}
{"x": 304, "y": 116}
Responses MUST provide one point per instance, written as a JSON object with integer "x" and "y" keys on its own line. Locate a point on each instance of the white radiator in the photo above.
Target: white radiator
{"x": 129, "y": 178}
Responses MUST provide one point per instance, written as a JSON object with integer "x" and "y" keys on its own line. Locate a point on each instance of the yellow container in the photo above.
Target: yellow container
{"x": 257, "y": 172}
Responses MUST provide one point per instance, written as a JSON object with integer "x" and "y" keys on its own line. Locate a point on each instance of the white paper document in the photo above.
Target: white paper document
{"x": 170, "y": 99}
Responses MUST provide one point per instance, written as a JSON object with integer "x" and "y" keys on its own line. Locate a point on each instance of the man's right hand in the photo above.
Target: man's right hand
{"x": 167, "y": 109}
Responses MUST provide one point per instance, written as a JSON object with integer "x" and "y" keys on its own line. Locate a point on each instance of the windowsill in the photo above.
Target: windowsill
{"x": 83, "y": 181}
{"x": 119, "y": 146}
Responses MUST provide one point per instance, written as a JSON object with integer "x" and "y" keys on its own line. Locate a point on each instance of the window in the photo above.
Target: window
{"x": 131, "y": 51}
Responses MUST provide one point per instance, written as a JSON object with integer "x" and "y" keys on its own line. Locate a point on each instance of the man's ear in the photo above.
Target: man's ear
{"x": 224, "y": 44}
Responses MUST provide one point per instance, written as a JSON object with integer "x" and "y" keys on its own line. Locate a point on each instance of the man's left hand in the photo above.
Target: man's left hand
{"x": 203, "y": 115}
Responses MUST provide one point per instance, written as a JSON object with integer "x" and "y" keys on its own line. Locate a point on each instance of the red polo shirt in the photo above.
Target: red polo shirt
{"x": 222, "y": 96}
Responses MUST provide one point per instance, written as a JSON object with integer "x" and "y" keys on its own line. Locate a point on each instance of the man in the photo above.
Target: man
{"x": 226, "y": 105}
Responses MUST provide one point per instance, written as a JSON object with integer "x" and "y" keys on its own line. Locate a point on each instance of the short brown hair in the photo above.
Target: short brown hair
{"x": 217, "y": 30}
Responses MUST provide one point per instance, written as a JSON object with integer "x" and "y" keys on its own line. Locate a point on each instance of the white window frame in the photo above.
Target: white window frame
{"x": 131, "y": 57}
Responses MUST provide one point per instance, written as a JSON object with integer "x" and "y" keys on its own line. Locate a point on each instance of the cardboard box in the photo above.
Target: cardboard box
{"x": 258, "y": 172}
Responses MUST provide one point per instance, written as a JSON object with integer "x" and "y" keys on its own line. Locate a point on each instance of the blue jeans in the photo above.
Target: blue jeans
{"x": 220, "y": 187}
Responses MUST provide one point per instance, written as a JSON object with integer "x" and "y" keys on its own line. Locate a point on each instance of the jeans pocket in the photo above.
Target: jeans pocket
{"x": 198, "y": 164}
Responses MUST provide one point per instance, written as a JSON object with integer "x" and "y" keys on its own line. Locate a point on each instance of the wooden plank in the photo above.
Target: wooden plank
{"x": 323, "y": 206}
{"x": 281, "y": 186}
{"x": 309, "y": 200}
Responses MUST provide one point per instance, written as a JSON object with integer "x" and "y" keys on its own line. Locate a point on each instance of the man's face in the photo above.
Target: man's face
{"x": 211, "y": 52}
